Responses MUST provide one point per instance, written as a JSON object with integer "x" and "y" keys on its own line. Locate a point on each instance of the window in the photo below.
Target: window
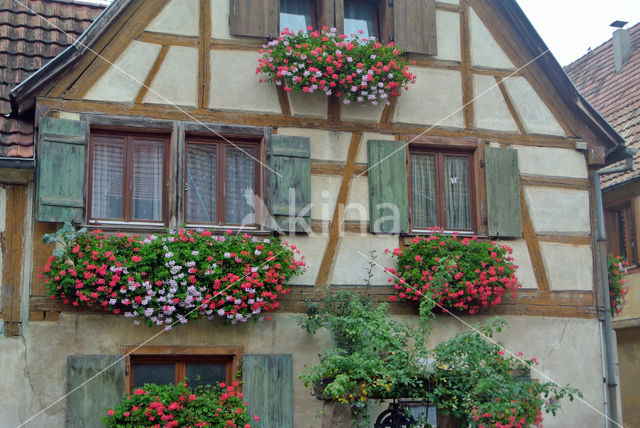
{"x": 621, "y": 233}
{"x": 220, "y": 181}
{"x": 126, "y": 177}
{"x": 441, "y": 184}
{"x": 170, "y": 365}
{"x": 297, "y": 15}
{"x": 361, "y": 15}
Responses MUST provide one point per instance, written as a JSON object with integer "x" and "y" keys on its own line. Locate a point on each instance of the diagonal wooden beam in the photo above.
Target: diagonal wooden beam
{"x": 152, "y": 74}
{"x": 533, "y": 245}
{"x": 510, "y": 105}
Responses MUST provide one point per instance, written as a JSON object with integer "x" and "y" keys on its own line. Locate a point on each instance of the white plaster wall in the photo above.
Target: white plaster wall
{"x": 490, "y": 108}
{"x": 450, "y": 1}
{"x": 177, "y": 79}
{"x": 324, "y": 193}
{"x": 485, "y": 50}
{"x": 551, "y": 161}
{"x": 362, "y": 113}
{"x": 179, "y": 17}
{"x": 312, "y": 248}
{"x": 569, "y": 267}
{"x": 448, "y": 35}
{"x": 361, "y": 159}
{"x": 352, "y": 258}
{"x": 522, "y": 259}
{"x": 435, "y": 99}
{"x": 558, "y": 210}
{"x": 234, "y": 84}
{"x": 308, "y": 105}
{"x": 122, "y": 81}
{"x": 357, "y": 208}
{"x": 533, "y": 112}
{"x": 324, "y": 145}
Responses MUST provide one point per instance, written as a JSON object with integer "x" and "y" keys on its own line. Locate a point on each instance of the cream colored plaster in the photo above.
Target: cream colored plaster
{"x": 569, "y": 267}
{"x": 68, "y": 115}
{"x": 312, "y": 247}
{"x": 522, "y": 259}
{"x": 551, "y": 161}
{"x": 357, "y": 112}
{"x": 179, "y": 17}
{"x": 122, "y": 81}
{"x": 324, "y": 193}
{"x": 357, "y": 208}
{"x": 490, "y": 108}
{"x": 177, "y": 79}
{"x": 331, "y": 146}
{"x": 558, "y": 210}
{"x": 485, "y": 50}
{"x": 533, "y": 112}
{"x": 234, "y": 85}
{"x": 352, "y": 258}
{"x": 362, "y": 159}
{"x": 435, "y": 99}
{"x": 632, "y": 308}
{"x": 308, "y": 105}
{"x": 449, "y": 1}
{"x": 448, "y": 35}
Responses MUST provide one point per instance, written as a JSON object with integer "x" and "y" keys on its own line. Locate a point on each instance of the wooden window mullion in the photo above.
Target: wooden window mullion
{"x": 181, "y": 371}
{"x": 440, "y": 184}
{"x": 127, "y": 194}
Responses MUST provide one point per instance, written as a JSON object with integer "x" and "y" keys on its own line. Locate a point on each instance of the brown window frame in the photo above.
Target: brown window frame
{"x": 180, "y": 356}
{"x": 256, "y": 143}
{"x": 127, "y": 192}
{"x": 613, "y": 230}
{"x": 441, "y": 146}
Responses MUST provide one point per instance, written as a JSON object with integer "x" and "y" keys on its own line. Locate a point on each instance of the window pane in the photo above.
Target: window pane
{"x": 201, "y": 181}
{"x": 201, "y": 374}
{"x": 108, "y": 164}
{"x": 360, "y": 15}
{"x": 456, "y": 192}
{"x": 423, "y": 191}
{"x": 295, "y": 15}
{"x": 147, "y": 179}
{"x": 239, "y": 182}
{"x": 161, "y": 374}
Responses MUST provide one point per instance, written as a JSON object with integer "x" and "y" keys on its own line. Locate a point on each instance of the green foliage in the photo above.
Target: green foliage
{"x": 617, "y": 271}
{"x": 171, "y": 278}
{"x": 63, "y": 238}
{"x": 478, "y": 382}
{"x": 454, "y": 273}
{"x": 179, "y": 406}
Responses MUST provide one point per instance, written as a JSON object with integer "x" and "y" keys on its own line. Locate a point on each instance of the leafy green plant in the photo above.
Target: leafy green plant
{"x": 617, "y": 271}
{"x": 477, "y": 382}
{"x": 173, "y": 277}
{"x": 461, "y": 274}
{"x": 179, "y": 406}
{"x": 359, "y": 70}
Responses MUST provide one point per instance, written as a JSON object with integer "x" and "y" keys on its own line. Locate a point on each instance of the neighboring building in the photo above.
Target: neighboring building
{"x": 609, "y": 78}
{"x": 484, "y": 85}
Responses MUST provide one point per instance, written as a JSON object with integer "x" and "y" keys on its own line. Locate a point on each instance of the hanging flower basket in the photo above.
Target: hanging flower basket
{"x": 354, "y": 69}
{"x": 174, "y": 277}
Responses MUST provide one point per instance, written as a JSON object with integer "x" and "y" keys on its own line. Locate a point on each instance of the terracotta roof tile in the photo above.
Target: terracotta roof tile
{"x": 27, "y": 42}
{"x": 616, "y": 96}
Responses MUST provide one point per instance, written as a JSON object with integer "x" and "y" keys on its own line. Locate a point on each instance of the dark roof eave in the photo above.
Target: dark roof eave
{"x": 23, "y": 96}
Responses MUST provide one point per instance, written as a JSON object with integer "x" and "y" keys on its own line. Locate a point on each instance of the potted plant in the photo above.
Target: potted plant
{"x": 617, "y": 271}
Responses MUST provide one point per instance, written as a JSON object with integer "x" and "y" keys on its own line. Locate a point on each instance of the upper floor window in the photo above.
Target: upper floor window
{"x": 361, "y": 17}
{"x": 297, "y": 15}
{"x": 127, "y": 174}
{"x": 621, "y": 231}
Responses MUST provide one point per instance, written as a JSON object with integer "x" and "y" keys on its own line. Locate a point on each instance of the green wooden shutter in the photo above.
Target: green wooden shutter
{"x": 414, "y": 23}
{"x": 388, "y": 195}
{"x": 254, "y": 18}
{"x": 289, "y": 182}
{"x": 268, "y": 388}
{"x": 61, "y": 170}
{"x": 503, "y": 192}
{"x": 87, "y": 405}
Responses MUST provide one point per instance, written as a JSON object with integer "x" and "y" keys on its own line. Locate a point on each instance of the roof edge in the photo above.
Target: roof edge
{"x": 22, "y": 96}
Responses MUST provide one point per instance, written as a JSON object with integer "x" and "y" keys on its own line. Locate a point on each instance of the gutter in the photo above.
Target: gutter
{"x": 608, "y": 350}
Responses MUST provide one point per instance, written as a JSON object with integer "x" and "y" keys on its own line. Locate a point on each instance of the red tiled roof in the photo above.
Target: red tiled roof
{"x": 615, "y": 95}
{"x": 27, "y": 42}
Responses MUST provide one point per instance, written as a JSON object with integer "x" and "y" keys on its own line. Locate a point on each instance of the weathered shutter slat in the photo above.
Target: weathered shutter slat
{"x": 268, "y": 388}
{"x": 289, "y": 182}
{"x": 388, "y": 194}
{"x": 61, "y": 170}
{"x": 502, "y": 178}
{"x": 414, "y": 23}
{"x": 254, "y": 18}
{"x": 86, "y": 406}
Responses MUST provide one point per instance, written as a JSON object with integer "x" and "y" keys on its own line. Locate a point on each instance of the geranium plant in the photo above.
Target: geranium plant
{"x": 461, "y": 274}
{"x": 172, "y": 277}
{"x": 179, "y": 406}
{"x": 357, "y": 69}
{"x": 617, "y": 270}
{"x": 481, "y": 384}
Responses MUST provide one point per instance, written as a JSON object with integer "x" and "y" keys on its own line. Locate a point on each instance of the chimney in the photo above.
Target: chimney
{"x": 621, "y": 44}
